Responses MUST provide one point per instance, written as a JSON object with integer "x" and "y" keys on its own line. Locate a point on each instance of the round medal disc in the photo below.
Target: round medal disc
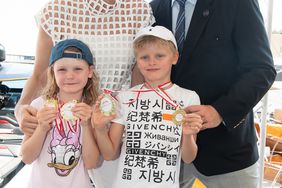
{"x": 178, "y": 117}
{"x": 52, "y": 103}
{"x": 66, "y": 111}
{"x": 107, "y": 105}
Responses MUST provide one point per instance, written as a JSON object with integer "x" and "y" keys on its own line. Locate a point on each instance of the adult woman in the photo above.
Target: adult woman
{"x": 106, "y": 26}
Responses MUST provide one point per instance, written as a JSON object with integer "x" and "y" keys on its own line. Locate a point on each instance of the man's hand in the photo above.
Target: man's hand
{"x": 26, "y": 116}
{"x": 210, "y": 116}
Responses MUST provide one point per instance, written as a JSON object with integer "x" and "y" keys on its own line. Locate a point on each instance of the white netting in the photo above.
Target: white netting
{"x": 108, "y": 29}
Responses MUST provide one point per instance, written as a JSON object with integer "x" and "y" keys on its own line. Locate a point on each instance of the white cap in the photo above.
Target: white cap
{"x": 157, "y": 31}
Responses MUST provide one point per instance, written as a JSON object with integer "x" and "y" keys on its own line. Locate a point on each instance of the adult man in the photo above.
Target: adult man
{"x": 226, "y": 59}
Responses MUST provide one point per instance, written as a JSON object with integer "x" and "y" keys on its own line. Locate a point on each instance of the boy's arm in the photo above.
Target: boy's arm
{"x": 189, "y": 148}
{"x": 109, "y": 140}
{"x": 90, "y": 151}
{"x": 192, "y": 125}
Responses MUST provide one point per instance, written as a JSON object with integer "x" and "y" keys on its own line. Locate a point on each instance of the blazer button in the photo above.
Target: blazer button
{"x": 206, "y": 13}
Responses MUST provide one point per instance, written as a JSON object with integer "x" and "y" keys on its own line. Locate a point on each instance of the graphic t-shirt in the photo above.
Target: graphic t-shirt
{"x": 151, "y": 151}
{"x": 60, "y": 162}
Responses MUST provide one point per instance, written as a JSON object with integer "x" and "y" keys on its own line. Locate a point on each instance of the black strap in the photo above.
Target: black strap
{"x": 72, "y": 55}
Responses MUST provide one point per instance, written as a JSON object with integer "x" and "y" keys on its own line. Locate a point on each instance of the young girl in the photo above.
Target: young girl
{"x": 63, "y": 147}
{"x": 157, "y": 131}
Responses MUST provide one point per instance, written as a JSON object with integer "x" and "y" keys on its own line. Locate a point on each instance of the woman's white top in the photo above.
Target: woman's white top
{"x": 108, "y": 29}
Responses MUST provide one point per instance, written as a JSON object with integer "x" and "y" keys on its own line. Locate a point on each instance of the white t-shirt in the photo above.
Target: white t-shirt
{"x": 60, "y": 163}
{"x": 151, "y": 153}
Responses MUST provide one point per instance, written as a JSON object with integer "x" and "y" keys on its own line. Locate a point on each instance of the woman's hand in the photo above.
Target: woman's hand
{"x": 26, "y": 116}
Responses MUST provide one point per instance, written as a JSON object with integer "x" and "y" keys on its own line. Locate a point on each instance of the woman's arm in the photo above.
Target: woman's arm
{"x": 24, "y": 113}
{"x": 136, "y": 76}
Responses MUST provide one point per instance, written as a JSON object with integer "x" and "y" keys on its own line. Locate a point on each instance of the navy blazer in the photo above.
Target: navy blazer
{"x": 227, "y": 60}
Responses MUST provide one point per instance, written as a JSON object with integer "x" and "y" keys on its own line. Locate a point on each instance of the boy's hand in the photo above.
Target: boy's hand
{"x": 46, "y": 116}
{"x": 83, "y": 112}
{"x": 192, "y": 125}
{"x": 99, "y": 120}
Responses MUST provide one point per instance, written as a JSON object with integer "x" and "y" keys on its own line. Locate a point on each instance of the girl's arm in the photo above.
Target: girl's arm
{"x": 90, "y": 151}
{"x": 190, "y": 128}
{"x": 32, "y": 145}
{"x": 109, "y": 140}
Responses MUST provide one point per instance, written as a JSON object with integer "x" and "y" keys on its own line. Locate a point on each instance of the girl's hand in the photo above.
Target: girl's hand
{"x": 83, "y": 112}
{"x": 192, "y": 125}
{"x": 99, "y": 120}
{"x": 46, "y": 116}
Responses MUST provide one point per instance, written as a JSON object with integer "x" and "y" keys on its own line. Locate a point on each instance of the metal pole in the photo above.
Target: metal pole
{"x": 263, "y": 138}
{"x": 265, "y": 99}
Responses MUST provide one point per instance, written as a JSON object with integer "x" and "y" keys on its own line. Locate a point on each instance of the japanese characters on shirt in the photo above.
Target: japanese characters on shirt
{"x": 151, "y": 150}
{"x": 151, "y": 143}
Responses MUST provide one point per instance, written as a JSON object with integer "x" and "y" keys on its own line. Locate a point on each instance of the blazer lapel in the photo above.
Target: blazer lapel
{"x": 201, "y": 15}
{"x": 164, "y": 14}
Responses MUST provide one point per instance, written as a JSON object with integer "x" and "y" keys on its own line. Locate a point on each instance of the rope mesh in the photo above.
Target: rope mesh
{"x": 108, "y": 29}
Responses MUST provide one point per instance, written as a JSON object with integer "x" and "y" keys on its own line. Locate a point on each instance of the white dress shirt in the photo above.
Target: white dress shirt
{"x": 189, "y": 9}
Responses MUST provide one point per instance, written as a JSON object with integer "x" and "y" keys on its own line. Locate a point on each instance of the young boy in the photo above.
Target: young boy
{"x": 157, "y": 132}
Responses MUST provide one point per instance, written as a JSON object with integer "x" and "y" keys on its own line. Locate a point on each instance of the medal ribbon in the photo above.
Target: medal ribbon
{"x": 138, "y": 91}
{"x": 160, "y": 91}
{"x": 60, "y": 125}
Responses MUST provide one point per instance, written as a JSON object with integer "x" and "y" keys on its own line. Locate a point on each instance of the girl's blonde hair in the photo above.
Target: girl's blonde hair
{"x": 149, "y": 39}
{"x": 90, "y": 91}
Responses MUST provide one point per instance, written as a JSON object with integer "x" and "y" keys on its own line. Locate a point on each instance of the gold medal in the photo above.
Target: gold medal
{"x": 52, "y": 103}
{"x": 178, "y": 117}
{"x": 107, "y": 105}
{"x": 66, "y": 112}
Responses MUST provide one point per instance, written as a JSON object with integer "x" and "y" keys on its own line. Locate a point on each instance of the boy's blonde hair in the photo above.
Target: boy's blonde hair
{"x": 149, "y": 39}
{"x": 90, "y": 91}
